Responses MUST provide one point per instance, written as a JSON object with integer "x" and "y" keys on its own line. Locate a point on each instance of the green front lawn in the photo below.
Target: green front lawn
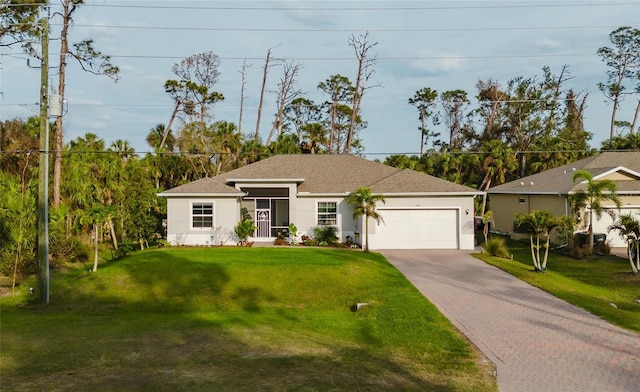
{"x": 592, "y": 284}
{"x": 229, "y": 319}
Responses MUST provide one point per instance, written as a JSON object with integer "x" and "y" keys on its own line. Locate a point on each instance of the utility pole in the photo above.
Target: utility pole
{"x": 43, "y": 175}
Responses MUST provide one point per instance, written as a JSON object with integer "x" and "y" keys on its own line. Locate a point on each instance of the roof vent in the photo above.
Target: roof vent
{"x": 573, "y": 169}
{"x": 521, "y": 183}
{"x": 531, "y": 183}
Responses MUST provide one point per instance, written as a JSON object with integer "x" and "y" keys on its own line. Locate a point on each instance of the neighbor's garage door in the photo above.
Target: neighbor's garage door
{"x": 418, "y": 229}
{"x": 602, "y": 226}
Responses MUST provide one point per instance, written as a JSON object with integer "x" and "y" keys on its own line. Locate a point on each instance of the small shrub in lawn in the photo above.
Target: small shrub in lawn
{"x": 496, "y": 246}
{"x": 602, "y": 248}
{"x": 583, "y": 251}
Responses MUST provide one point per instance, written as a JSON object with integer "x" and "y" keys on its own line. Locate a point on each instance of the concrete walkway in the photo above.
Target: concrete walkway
{"x": 538, "y": 342}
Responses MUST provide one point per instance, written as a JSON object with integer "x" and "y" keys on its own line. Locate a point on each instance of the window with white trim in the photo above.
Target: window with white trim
{"x": 202, "y": 215}
{"x": 327, "y": 213}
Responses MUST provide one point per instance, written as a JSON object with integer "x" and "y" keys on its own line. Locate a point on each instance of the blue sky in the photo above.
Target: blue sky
{"x": 445, "y": 45}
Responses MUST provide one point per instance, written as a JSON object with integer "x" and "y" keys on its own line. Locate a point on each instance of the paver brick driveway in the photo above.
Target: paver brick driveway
{"x": 538, "y": 342}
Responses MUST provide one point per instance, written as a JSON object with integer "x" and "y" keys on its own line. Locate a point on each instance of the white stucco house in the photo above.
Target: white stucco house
{"x": 309, "y": 190}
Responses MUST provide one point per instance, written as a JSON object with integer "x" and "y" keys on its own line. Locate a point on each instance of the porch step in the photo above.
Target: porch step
{"x": 263, "y": 244}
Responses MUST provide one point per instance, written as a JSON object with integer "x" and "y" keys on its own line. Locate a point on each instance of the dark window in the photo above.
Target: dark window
{"x": 202, "y": 215}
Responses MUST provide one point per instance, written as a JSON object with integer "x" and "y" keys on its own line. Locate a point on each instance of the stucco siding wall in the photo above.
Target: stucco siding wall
{"x": 179, "y": 231}
{"x": 552, "y": 203}
{"x": 306, "y": 215}
{"x": 630, "y": 201}
{"x": 505, "y": 207}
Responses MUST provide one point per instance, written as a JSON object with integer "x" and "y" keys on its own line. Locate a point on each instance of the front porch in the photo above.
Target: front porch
{"x": 269, "y": 208}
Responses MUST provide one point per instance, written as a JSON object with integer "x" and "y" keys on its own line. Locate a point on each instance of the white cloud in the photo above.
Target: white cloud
{"x": 437, "y": 62}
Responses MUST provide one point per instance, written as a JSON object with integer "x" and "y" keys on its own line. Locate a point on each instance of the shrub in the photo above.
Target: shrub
{"x": 308, "y": 241}
{"x": 326, "y": 233}
{"x": 244, "y": 229}
{"x": 583, "y": 251}
{"x": 496, "y": 246}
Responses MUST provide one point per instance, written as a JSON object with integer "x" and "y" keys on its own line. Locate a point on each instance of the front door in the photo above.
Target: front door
{"x": 263, "y": 221}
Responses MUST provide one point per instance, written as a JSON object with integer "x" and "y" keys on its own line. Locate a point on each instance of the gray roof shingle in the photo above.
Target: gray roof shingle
{"x": 560, "y": 179}
{"x": 321, "y": 173}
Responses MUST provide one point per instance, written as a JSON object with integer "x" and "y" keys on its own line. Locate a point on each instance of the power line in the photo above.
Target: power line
{"x": 233, "y": 105}
{"x": 383, "y": 58}
{"x": 249, "y": 153}
{"x": 302, "y": 8}
{"x": 310, "y": 30}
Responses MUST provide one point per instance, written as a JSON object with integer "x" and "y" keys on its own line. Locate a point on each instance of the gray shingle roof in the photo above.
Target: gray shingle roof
{"x": 208, "y": 186}
{"x": 321, "y": 173}
{"x": 560, "y": 179}
{"x": 411, "y": 181}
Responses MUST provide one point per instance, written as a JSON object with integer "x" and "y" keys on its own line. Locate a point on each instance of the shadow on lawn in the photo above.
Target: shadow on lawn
{"x": 205, "y": 357}
{"x": 152, "y": 327}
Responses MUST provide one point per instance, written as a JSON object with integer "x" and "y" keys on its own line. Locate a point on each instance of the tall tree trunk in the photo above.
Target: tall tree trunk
{"x": 523, "y": 164}
{"x": 635, "y": 119}
{"x": 264, "y": 83}
{"x": 168, "y": 129}
{"x": 112, "y": 231}
{"x": 613, "y": 117}
{"x": 634, "y": 268}
{"x": 546, "y": 255}
{"x": 591, "y": 242}
{"x": 243, "y": 72}
{"x": 538, "y": 266}
{"x": 95, "y": 249}
{"x": 332, "y": 127}
{"x": 422, "y": 124}
{"x": 366, "y": 225}
{"x": 533, "y": 252}
{"x": 68, "y": 9}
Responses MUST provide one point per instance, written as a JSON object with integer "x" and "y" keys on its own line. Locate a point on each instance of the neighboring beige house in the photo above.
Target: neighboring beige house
{"x": 549, "y": 190}
{"x": 420, "y": 212}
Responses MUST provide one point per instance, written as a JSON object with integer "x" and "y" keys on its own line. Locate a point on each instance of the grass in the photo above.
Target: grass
{"x": 591, "y": 284}
{"x": 229, "y": 319}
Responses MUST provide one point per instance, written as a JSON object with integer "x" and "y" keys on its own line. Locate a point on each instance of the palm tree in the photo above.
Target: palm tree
{"x": 498, "y": 163}
{"x": 540, "y": 223}
{"x": 629, "y": 230}
{"x": 596, "y": 192}
{"x": 364, "y": 202}
{"x": 230, "y": 144}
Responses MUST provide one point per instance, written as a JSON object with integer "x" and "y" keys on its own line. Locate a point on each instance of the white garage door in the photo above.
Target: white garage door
{"x": 602, "y": 226}
{"x": 418, "y": 229}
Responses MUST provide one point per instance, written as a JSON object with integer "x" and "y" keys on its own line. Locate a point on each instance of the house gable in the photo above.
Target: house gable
{"x": 618, "y": 174}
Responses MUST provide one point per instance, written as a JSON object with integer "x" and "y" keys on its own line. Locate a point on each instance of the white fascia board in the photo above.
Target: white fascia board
{"x": 616, "y": 169}
{"x": 516, "y": 192}
{"x": 405, "y": 194}
{"x": 200, "y": 195}
{"x": 619, "y": 193}
{"x": 265, "y": 180}
{"x": 421, "y": 208}
{"x": 425, "y": 194}
{"x": 313, "y": 194}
